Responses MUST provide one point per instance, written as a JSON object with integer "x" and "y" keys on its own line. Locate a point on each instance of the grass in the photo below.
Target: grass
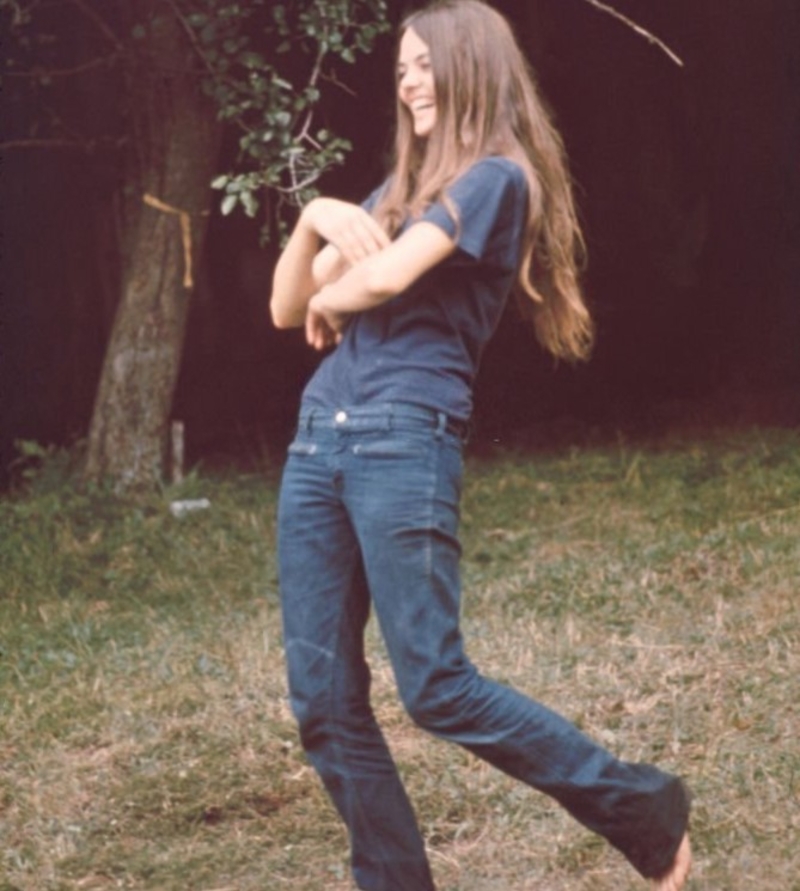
{"x": 650, "y": 594}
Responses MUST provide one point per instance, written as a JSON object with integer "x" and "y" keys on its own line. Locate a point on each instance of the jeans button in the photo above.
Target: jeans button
{"x": 341, "y": 417}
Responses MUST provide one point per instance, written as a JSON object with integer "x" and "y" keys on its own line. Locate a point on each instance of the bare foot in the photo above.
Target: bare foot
{"x": 674, "y": 880}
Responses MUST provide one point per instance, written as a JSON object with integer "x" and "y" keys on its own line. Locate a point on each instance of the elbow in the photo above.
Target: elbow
{"x": 281, "y": 317}
{"x": 277, "y": 316}
{"x": 286, "y": 312}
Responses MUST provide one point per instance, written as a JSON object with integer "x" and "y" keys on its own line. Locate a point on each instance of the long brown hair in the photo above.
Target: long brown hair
{"x": 487, "y": 103}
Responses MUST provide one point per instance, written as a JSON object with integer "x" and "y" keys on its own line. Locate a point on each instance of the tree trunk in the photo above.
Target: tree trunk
{"x": 174, "y": 144}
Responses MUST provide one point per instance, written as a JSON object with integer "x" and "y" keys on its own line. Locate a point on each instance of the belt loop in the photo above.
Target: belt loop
{"x": 390, "y": 417}
{"x": 441, "y": 424}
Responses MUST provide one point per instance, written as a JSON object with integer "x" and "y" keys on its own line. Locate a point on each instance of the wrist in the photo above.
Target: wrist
{"x": 318, "y": 302}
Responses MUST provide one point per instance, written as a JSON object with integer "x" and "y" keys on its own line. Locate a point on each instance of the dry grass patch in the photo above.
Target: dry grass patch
{"x": 651, "y": 595}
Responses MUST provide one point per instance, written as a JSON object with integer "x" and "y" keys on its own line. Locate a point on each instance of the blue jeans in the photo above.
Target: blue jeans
{"x": 368, "y": 517}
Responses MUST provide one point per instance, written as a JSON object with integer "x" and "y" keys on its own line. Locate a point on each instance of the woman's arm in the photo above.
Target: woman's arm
{"x": 328, "y": 266}
{"x": 302, "y": 269}
{"x": 376, "y": 279}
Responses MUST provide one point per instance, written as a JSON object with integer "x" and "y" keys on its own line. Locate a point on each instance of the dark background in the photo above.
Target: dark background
{"x": 688, "y": 185}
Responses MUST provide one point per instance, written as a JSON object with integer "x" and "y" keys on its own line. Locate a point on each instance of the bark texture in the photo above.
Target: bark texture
{"x": 174, "y": 143}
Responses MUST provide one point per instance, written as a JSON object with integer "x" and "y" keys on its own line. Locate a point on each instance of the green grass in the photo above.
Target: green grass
{"x": 649, "y": 593}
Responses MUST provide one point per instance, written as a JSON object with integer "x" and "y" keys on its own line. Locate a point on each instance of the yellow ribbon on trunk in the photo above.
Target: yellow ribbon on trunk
{"x": 186, "y": 233}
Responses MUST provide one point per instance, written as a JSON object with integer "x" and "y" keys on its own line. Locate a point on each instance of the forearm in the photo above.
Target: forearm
{"x": 384, "y": 274}
{"x": 358, "y": 289}
{"x": 352, "y": 235}
{"x": 293, "y": 283}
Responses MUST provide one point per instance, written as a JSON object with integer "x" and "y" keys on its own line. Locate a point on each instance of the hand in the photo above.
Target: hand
{"x": 324, "y": 327}
{"x": 348, "y": 227}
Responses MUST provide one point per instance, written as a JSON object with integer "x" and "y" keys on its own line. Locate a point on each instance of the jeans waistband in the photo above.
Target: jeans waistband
{"x": 381, "y": 416}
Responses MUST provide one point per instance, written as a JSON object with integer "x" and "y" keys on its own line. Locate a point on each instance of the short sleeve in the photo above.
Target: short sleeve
{"x": 371, "y": 201}
{"x": 490, "y": 200}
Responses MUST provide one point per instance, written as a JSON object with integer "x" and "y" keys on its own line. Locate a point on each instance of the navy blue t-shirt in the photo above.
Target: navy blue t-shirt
{"x": 423, "y": 346}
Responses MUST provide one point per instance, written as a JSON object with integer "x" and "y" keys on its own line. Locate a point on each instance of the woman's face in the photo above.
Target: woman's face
{"x": 415, "y": 82}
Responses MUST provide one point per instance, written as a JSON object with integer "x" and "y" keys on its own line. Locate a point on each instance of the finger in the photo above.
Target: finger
{"x": 351, "y": 228}
{"x": 372, "y": 237}
{"x": 320, "y": 331}
{"x": 375, "y": 233}
{"x": 323, "y": 335}
{"x": 353, "y": 247}
{"x": 320, "y": 339}
{"x": 329, "y": 338}
{"x": 363, "y": 238}
{"x": 312, "y": 329}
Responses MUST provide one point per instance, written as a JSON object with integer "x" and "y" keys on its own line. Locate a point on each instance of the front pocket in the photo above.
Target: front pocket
{"x": 302, "y": 448}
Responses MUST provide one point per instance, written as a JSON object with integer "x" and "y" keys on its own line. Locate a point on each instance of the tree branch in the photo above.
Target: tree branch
{"x": 202, "y": 56}
{"x": 638, "y": 29}
{"x": 312, "y": 82}
{"x": 298, "y": 185}
{"x": 74, "y": 144}
{"x": 100, "y": 22}
{"x": 333, "y": 79}
{"x": 192, "y": 36}
{"x": 64, "y": 72}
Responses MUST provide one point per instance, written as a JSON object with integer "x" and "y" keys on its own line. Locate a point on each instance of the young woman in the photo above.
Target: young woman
{"x": 408, "y": 288}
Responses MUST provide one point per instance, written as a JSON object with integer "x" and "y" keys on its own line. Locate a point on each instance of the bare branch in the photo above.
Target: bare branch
{"x": 333, "y": 79}
{"x": 638, "y": 29}
{"x": 304, "y": 131}
{"x": 63, "y": 72}
{"x": 192, "y": 36}
{"x": 298, "y": 185}
{"x": 74, "y": 144}
{"x": 101, "y": 23}
{"x": 312, "y": 82}
{"x": 198, "y": 49}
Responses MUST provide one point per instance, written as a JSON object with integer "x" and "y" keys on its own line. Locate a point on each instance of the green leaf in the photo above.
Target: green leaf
{"x": 250, "y": 203}
{"x": 29, "y": 448}
{"x": 252, "y": 83}
{"x": 228, "y": 204}
{"x": 251, "y": 59}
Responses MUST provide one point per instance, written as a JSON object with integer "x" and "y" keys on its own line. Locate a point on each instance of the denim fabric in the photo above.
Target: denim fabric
{"x": 368, "y": 517}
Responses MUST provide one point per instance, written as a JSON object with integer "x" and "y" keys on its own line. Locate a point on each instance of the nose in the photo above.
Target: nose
{"x": 408, "y": 80}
